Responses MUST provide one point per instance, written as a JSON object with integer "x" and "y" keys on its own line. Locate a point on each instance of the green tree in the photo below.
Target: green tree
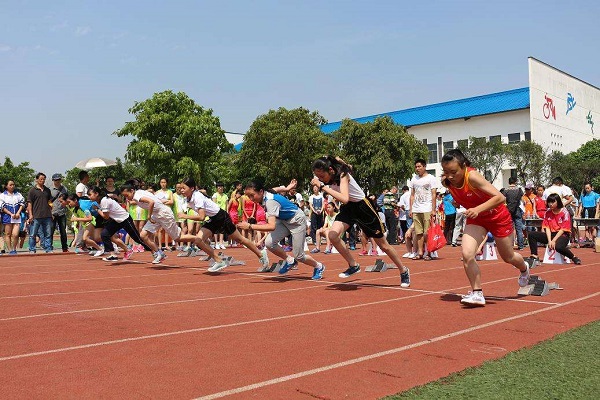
{"x": 578, "y": 167}
{"x": 122, "y": 171}
{"x": 174, "y": 137}
{"x": 22, "y": 174}
{"x": 530, "y": 161}
{"x": 281, "y": 145}
{"x": 486, "y": 155}
{"x": 382, "y": 153}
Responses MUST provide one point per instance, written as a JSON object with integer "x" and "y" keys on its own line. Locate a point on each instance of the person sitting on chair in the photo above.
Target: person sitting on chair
{"x": 556, "y": 229}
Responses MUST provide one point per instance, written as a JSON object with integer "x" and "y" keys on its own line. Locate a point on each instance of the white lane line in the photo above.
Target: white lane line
{"x": 26, "y": 296}
{"x": 317, "y": 285}
{"x": 357, "y": 360}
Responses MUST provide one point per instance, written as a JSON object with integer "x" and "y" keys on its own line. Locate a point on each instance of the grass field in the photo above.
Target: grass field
{"x": 566, "y": 367}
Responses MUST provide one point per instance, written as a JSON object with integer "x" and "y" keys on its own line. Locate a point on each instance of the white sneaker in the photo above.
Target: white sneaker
{"x": 99, "y": 253}
{"x": 217, "y": 266}
{"x": 264, "y": 259}
{"x": 474, "y": 298}
{"x": 524, "y": 277}
{"x": 158, "y": 257}
{"x": 406, "y": 255}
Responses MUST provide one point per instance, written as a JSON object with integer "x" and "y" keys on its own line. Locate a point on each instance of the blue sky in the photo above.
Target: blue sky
{"x": 70, "y": 70}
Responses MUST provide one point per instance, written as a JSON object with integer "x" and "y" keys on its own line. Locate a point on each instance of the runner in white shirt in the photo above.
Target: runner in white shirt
{"x": 219, "y": 222}
{"x": 334, "y": 178}
{"x": 117, "y": 218}
{"x": 159, "y": 215}
{"x": 97, "y": 195}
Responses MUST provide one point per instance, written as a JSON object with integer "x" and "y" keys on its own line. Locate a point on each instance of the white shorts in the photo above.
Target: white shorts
{"x": 164, "y": 219}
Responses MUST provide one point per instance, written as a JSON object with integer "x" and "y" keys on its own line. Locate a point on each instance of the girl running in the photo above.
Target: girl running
{"x": 219, "y": 222}
{"x": 283, "y": 218}
{"x": 485, "y": 211}
{"x": 116, "y": 217}
{"x": 334, "y": 178}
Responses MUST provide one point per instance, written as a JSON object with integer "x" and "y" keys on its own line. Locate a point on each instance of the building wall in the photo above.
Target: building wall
{"x": 565, "y": 111}
{"x": 513, "y": 122}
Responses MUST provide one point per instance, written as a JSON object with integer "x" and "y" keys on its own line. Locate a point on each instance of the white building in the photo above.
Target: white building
{"x": 557, "y": 111}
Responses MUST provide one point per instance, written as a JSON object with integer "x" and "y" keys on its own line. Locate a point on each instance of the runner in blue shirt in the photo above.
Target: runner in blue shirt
{"x": 283, "y": 218}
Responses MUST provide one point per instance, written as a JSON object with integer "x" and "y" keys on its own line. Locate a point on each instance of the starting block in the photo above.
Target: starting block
{"x": 551, "y": 256}
{"x": 228, "y": 259}
{"x": 379, "y": 266}
{"x": 205, "y": 257}
{"x": 275, "y": 267}
{"x": 538, "y": 287}
{"x": 191, "y": 253}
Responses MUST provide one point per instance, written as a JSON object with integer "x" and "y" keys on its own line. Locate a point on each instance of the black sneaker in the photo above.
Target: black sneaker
{"x": 110, "y": 258}
{"x": 405, "y": 278}
{"x": 576, "y": 261}
{"x": 350, "y": 271}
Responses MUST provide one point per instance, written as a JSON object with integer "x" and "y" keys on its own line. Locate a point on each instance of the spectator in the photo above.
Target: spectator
{"x": 450, "y": 216}
{"x": 316, "y": 203}
{"x": 11, "y": 205}
{"x": 330, "y": 214}
{"x": 221, "y": 199}
{"x": 81, "y": 190}
{"x": 587, "y": 208}
{"x": 59, "y": 212}
{"x": 111, "y": 190}
{"x": 555, "y": 230}
{"x": 403, "y": 209}
{"x": 459, "y": 224}
{"x": 422, "y": 204}
{"x": 540, "y": 203}
{"x": 390, "y": 204}
{"x": 40, "y": 214}
{"x": 513, "y": 195}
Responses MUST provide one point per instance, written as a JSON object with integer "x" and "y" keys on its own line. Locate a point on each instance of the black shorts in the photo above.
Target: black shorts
{"x": 220, "y": 223}
{"x": 99, "y": 222}
{"x": 362, "y": 214}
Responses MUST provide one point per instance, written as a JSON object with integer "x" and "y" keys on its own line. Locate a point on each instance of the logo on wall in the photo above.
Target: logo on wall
{"x": 549, "y": 108}
{"x": 570, "y": 102}
{"x": 589, "y": 120}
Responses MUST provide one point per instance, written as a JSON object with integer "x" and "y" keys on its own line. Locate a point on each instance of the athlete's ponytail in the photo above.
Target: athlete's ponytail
{"x": 340, "y": 167}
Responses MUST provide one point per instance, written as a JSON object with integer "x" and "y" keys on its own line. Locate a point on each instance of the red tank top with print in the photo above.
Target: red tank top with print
{"x": 469, "y": 197}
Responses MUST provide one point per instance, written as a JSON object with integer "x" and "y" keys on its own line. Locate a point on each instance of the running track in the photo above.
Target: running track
{"x": 76, "y": 327}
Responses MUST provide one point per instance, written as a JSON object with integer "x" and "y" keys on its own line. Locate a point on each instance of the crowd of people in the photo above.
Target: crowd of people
{"x": 138, "y": 217}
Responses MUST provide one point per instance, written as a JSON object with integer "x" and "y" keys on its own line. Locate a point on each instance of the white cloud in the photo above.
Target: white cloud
{"x": 60, "y": 26}
{"x": 82, "y": 30}
{"x": 5, "y": 47}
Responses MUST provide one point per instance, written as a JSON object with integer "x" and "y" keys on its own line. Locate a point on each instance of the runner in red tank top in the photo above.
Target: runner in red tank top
{"x": 486, "y": 211}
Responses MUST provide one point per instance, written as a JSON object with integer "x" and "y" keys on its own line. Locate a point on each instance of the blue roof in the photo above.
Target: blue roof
{"x": 511, "y": 100}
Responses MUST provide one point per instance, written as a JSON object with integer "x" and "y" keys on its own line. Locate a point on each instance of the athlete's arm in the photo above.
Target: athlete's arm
{"x": 480, "y": 183}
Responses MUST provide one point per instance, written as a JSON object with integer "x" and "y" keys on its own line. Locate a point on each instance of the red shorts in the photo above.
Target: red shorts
{"x": 497, "y": 221}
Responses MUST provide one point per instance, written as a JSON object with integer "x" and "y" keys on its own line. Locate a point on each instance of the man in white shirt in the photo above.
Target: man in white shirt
{"x": 422, "y": 204}
{"x": 404, "y": 206}
{"x": 82, "y": 189}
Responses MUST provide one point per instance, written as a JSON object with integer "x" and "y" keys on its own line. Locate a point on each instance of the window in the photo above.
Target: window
{"x": 448, "y": 146}
{"x": 528, "y": 136}
{"x": 513, "y": 173}
{"x": 433, "y": 155}
{"x": 431, "y": 172}
{"x": 496, "y": 137}
{"x": 514, "y": 138}
{"x": 462, "y": 144}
